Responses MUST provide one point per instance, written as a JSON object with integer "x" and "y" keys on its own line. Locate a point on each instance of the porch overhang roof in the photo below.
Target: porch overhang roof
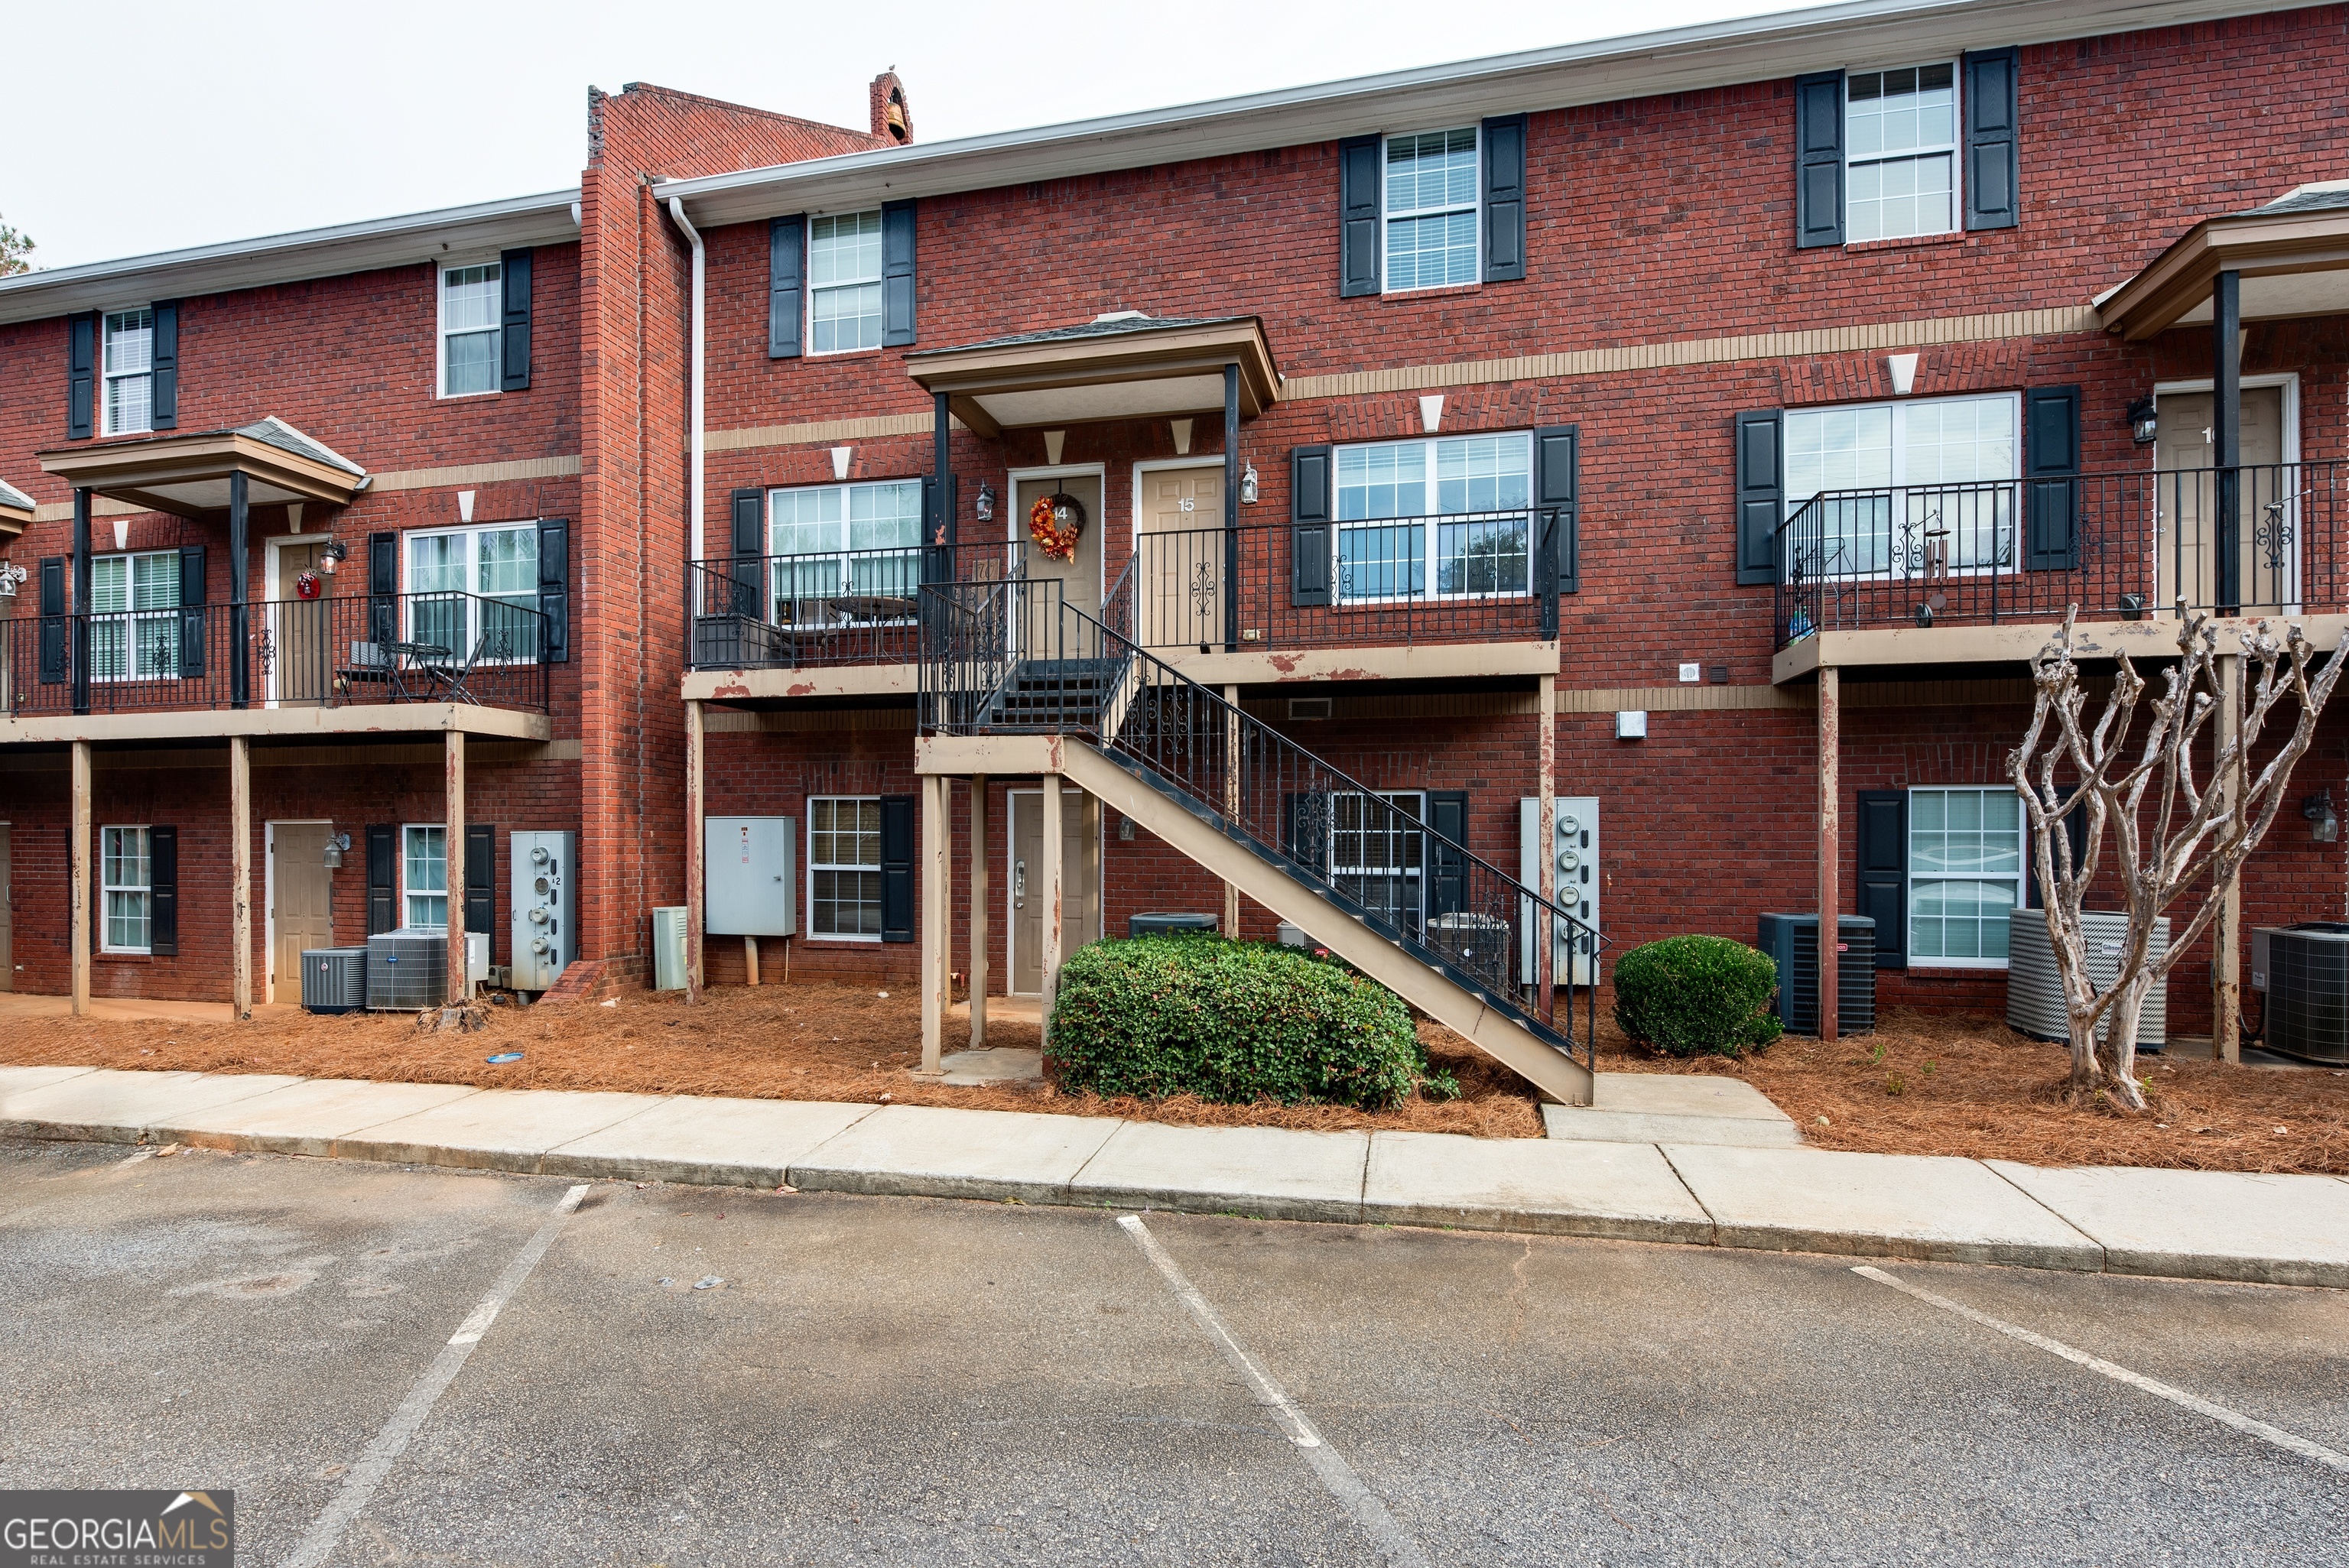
{"x": 2293, "y": 256}
{"x": 189, "y": 475}
{"x": 1116, "y": 367}
{"x": 16, "y": 511}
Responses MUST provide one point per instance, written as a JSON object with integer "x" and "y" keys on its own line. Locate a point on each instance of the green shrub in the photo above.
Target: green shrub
{"x": 1691, "y": 994}
{"x": 1234, "y": 1022}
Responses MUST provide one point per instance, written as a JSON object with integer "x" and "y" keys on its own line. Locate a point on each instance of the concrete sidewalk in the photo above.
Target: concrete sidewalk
{"x": 2276, "y": 1230}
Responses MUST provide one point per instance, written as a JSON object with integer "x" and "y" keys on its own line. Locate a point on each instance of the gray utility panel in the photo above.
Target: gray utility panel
{"x": 545, "y": 906}
{"x": 750, "y": 884}
{"x": 1578, "y": 876}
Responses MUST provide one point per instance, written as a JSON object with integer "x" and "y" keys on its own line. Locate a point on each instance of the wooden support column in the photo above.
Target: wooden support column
{"x": 979, "y": 933}
{"x": 240, "y": 875}
{"x": 77, "y": 871}
{"x": 1830, "y": 852}
{"x": 937, "y": 904}
{"x": 453, "y": 864}
{"x": 1231, "y": 927}
{"x": 1546, "y": 936}
{"x": 1055, "y": 892}
{"x": 697, "y": 874}
{"x": 2226, "y": 931}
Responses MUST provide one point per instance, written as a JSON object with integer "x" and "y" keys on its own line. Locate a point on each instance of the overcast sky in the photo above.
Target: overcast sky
{"x": 152, "y": 125}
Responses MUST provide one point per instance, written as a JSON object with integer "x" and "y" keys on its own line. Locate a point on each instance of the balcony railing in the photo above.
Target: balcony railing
{"x": 358, "y": 650}
{"x": 1465, "y": 578}
{"x": 2261, "y": 539}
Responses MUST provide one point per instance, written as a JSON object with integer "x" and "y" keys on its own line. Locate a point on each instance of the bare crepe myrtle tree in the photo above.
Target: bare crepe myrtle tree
{"x": 2190, "y": 839}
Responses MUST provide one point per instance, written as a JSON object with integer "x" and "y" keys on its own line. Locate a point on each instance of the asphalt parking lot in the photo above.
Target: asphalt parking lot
{"x": 920, "y": 1381}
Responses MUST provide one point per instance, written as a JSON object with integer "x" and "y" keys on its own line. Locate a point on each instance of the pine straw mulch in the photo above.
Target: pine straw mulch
{"x": 1965, "y": 1085}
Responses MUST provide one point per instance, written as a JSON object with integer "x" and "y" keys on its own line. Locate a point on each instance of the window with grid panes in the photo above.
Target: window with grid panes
{"x": 1965, "y": 872}
{"x": 1413, "y": 513}
{"x": 1430, "y": 210}
{"x": 1378, "y": 854}
{"x": 845, "y": 867}
{"x": 134, "y": 629}
{"x": 472, "y": 305}
{"x": 129, "y": 358}
{"x": 844, "y": 283}
{"x": 1900, "y": 152}
{"x": 126, "y": 883}
{"x": 1942, "y": 466}
{"x": 837, "y": 541}
{"x": 424, "y": 875}
{"x": 474, "y": 591}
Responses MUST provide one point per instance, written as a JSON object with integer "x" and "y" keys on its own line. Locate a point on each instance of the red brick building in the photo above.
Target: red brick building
{"x": 1584, "y": 408}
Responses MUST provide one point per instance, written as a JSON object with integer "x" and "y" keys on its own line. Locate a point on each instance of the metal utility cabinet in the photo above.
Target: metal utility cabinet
{"x": 1579, "y": 883}
{"x": 749, "y": 883}
{"x": 545, "y": 906}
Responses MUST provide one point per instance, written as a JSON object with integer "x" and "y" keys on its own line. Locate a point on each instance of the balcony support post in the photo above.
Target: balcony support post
{"x": 79, "y": 650}
{"x": 452, "y": 863}
{"x": 239, "y": 876}
{"x": 1546, "y": 934}
{"x": 979, "y": 933}
{"x": 941, "y": 460}
{"x": 1830, "y": 851}
{"x": 1231, "y": 803}
{"x": 2226, "y": 932}
{"x": 937, "y": 930}
{"x": 2226, "y": 435}
{"x": 77, "y": 910}
{"x": 1056, "y": 889}
{"x": 1231, "y": 509}
{"x": 240, "y": 634}
{"x": 697, "y": 873}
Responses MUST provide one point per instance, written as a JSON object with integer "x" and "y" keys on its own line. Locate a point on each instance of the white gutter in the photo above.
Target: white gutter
{"x": 677, "y": 211}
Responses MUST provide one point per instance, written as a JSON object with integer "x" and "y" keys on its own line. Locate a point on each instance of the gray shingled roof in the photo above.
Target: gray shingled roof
{"x": 276, "y": 432}
{"x": 1118, "y": 327}
{"x": 2325, "y": 198}
{"x": 11, "y": 496}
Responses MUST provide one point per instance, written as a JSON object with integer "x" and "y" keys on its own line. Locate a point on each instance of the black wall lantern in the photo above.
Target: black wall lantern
{"x": 2143, "y": 426}
{"x": 2323, "y": 822}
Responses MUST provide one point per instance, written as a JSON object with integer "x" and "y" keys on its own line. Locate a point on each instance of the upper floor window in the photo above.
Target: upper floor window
{"x": 471, "y": 301}
{"x": 853, "y": 551}
{"x": 130, "y": 371}
{"x": 134, "y": 630}
{"x": 1931, "y": 477}
{"x": 474, "y": 591}
{"x": 1450, "y": 512}
{"x": 1430, "y": 210}
{"x": 844, "y": 281}
{"x": 1900, "y": 150}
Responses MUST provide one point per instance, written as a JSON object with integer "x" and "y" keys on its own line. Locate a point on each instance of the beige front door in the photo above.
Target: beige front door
{"x": 300, "y": 635}
{"x": 1029, "y": 893}
{"x": 7, "y": 921}
{"x": 1179, "y": 580}
{"x": 1079, "y": 579}
{"x": 2268, "y": 558}
{"x": 301, "y": 902}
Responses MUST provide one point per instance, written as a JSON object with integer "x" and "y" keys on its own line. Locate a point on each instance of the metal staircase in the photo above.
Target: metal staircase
{"x": 1448, "y": 931}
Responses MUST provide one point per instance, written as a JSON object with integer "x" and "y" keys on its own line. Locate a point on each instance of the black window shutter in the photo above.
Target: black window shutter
{"x": 786, "y": 270}
{"x": 896, "y": 867}
{"x": 1557, "y": 485}
{"x": 1761, "y": 494}
{"x": 53, "y": 620}
{"x": 1357, "y": 215}
{"x": 1504, "y": 198}
{"x": 1884, "y": 873}
{"x": 897, "y": 230}
{"x": 81, "y": 373}
{"x": 2075, "y": 827}
{"x": 383, "y": 878}
{"x": 480, "y": 880}
{"x": 513, "y": 277}
{"x": 749, "y": 529}
{"x": 1447, "y": 870}
{"x": 1993, "y": 139}
{"x": 383, "y": 590}
{"x": 192, "y": 612}
{"x": 163, "y": 891}
{"x": 1308, "y": 520}
{"x": 1818, "y": 159}
{"x": 163, "y": 391}
{"x": 2051, "y": 459}
{"x": 554, "y": 586}
{"x": 1304, "y": 830}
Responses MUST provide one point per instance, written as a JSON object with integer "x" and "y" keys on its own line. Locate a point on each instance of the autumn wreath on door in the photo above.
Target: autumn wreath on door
{"x": 1056, "y": 522}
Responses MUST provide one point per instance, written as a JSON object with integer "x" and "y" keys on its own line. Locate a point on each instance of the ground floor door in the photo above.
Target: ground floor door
{"x": 2266, "y": 546}
{"x": 300, "y": 636}
{"x": 1029, "y": 893}
{"x": 1180, "y": 577}
{"x": 7, "y": 921}
{"x": 301, "y": 902}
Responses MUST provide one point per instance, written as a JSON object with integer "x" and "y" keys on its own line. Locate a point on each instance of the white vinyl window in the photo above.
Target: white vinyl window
{"x": 126, "y": 883}
{"x": 1379, "y": 857}
{"x": 1965, "y": 872}
{"x": 845, "y": 867}
{"x": 1430, "y": 210}
{"x": 1449, "y": 512}
{"x": 1900, "y": 152}
{"x": 844, "y": 283}
{"x": 846, "y": 552}
{"x": 424, "y": 875}
{"x": 1910, "y": 483}
{"x": 472, "y": 305}
{"x": 134, "y": 629}
{"x": 130, "y": 371}
{"x": 473, "y": 592}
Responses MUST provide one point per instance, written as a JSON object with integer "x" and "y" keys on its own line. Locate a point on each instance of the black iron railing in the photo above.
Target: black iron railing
{"x": 833, "y": 607}
{"x": 2262, "y": 539}
{"x": 309, "y": 652}
{"x": 1014, "y": 657}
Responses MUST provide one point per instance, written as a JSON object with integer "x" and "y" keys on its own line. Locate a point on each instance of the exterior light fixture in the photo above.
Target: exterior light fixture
{"x": 1248, "y": 486}
{"x": 331, "y": 554}
{"x": 2323, "y": 822}
{"x": 336, "y": 844}
{"x": 984, "y": 507}
{"x": 10, "y": 575}
{"x": 2143, "y": 426}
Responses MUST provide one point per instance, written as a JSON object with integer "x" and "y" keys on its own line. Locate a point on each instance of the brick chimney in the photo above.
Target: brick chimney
{"x": 893, "y": 122}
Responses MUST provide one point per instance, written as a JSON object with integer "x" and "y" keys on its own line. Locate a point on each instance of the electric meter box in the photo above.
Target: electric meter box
{"x": 545, "y": 906}
{"x": 1578, "y": 876}
{"x": 749, "y": 880}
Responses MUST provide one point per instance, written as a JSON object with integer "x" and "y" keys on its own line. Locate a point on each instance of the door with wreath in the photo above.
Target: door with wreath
{"x": 1078, "y": 573}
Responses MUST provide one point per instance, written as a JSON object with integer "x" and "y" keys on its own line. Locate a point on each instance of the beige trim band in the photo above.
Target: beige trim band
{"x": 1747, "y": 699}
{"x": 478, "y": 473}
{"x": 824, "y": 431}
{"x": 477, "y": 754}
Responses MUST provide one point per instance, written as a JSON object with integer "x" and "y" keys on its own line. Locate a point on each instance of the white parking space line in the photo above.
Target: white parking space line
{"x": 1394, "y": 1544}
{"x": 360, "y": 1482}
{"x": 2219, "y": 1413}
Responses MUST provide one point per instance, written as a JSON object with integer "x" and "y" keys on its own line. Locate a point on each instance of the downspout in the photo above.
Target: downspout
{"x": 677, "y": 211}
